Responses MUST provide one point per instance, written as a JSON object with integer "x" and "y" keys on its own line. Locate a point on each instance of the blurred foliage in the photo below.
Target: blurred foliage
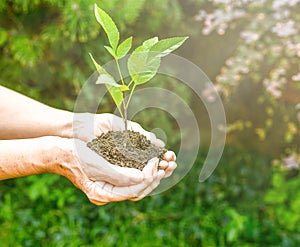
{"x": 230, "y": 209}
{"x": 283, "y": 201}
{"x": 250, "y": 47}
{"x": 262, "y": 73}
{"x": 47, "y": 42}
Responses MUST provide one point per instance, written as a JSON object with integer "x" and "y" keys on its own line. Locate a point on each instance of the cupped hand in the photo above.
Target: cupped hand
{"x": 104, "y": 192}
{"x": 88, "y": 126}
{"x": 101, "y": 181}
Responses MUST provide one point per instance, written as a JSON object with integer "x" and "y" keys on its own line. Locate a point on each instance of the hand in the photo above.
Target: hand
{"x": 168, "y": 164}
{"x": 87, "y": 126}
{"x": 98, "y": 179}
{"x": 110, "y": 193}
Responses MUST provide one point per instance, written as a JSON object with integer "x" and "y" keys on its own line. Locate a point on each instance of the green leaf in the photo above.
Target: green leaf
{"x": 116, "y": 94}
{"x": 109, "y": 27}
{"x": 166, "y": 46}
{"x": 144, "y": 62}
{"x": 141, "y": 66}
{"x": 107, "y": 79}
{"x": 232, "y": 234}
{"x": 111, "y": 51}
{"x": 114, "y": 89}
{"x": 124, "y": 88}
{"x": 124, "y": 47}
{"x": 99, "y": 68}
{"x": 3, "y": 36}
{"x": 150, "y": 42}
{"x": 104, "y": 77}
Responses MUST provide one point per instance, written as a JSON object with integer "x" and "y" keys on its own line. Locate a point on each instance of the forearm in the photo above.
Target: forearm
{"x": 22, "y": 117}
{"x": 26, "y": 157}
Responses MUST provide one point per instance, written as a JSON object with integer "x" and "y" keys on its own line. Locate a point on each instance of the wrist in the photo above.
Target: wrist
{"x": 63, "y": 123}
{"x": 83, "y": 126}
{"x": 24, "y": 157}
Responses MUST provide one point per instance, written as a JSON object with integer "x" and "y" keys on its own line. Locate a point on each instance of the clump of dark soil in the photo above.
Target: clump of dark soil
{"x": 126, "y": 148}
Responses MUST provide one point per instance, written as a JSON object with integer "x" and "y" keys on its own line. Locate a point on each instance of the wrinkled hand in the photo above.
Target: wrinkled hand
{"x": 111, "y": 193}
{"x": 87, "y": 126}
{"x": 101, "y": 181}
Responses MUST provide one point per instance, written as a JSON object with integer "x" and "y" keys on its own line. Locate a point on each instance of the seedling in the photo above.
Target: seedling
{"x": 142, "y": 64}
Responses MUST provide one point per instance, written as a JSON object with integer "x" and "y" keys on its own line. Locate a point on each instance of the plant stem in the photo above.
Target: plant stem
{"x": 124, "y": 116}
{"x": 134, "y": 85}
{"x": 124, "y": 111}
{"x": 129, "y": 84}
{"x": 119, "y": 108}
{"x": 119, "y": 70}
{"x": 121, "y": 113}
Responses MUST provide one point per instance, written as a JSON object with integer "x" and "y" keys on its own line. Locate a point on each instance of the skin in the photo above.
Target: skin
{"x": 36, "y": 138}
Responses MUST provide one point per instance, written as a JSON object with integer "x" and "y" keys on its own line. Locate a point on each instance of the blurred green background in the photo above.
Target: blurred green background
{"x": 251, "y": 52}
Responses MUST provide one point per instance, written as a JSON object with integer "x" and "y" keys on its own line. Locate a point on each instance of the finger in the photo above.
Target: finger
{"x": 94, "y": 192}
{"x": 151, "y": 187}
{"x": 119, "y": 193}
{"x": 163, "y": 164}
{"x": 172, "y": 166}
{"x": 98, "y": 203}
{"x": 151, "y": 168}
{"x": 110, "y": 193}
{"x": 124, "y": 176}
{"x": 117, "y": 175}
{"x": 150, "y": 172}
{"x": 100, "y": 193}
{"x": 169, "y": 156}
{"x": 116, "y": 193}
{"x": 168, "y": 167}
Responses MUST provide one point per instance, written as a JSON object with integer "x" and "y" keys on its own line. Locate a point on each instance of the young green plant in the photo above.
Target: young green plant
{"x": 142, "y": 64}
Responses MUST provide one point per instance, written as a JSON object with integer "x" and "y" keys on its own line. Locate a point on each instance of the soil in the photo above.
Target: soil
{"x": 126, "y": 148}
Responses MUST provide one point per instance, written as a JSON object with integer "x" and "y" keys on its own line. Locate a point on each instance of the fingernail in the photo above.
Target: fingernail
{"x": 172, "y": 165}
{"x": 163, "y": 164}
{"x": 170, "y": 156}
